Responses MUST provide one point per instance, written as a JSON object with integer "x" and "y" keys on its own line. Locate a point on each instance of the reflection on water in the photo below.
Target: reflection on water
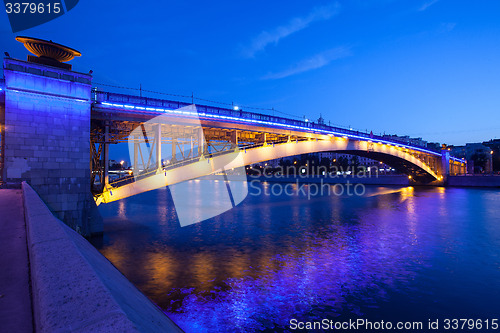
{"x": 393, "y": 254}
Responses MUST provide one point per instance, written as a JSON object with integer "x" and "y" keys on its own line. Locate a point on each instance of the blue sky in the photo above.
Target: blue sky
{"x": 427, "y": 68}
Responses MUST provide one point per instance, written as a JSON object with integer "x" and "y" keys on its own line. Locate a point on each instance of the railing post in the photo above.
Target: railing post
{"x": 191, "y": 151}
{"x": 158, "y": 145}
{"x": 201, "y": 142}
{"x": 135, "y": 166}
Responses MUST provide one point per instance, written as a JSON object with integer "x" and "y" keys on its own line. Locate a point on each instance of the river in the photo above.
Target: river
{"x": 392, "y": 254}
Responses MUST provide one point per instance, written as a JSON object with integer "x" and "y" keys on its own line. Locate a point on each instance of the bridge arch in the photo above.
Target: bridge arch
{"x": 265, "y": 152}
{"x": 390, "y": 154}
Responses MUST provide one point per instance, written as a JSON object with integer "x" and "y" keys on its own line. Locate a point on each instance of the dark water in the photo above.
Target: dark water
{"x": 393, "y": 254}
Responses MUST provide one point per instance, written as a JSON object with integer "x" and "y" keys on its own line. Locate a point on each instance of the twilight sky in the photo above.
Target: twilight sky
{"x": 428, "y": 68}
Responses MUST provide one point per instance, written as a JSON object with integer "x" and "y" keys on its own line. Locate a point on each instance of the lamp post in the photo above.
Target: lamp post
{"x": 490, "y": 161}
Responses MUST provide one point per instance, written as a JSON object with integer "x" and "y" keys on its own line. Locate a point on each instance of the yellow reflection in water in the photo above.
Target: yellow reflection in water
{"x": 407, "y": 196}
{"x": 406, "y": 192}
{"x": 122, "y": 210}
{"x": 239, "y": 263}
{"x": 162, "y": 267}
{"x": 203, "y": 268}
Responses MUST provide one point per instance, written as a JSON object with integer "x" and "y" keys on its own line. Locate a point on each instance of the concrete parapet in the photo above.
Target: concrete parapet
{"x": 74, "y": 287}
{"x": 474, "y": 181}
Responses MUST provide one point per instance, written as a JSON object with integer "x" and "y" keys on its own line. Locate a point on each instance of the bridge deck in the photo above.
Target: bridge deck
{"x": 133, "y": 108}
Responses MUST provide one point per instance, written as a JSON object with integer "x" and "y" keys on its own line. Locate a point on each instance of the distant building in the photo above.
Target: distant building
{"x": 478, "y": 156}
{"x": 333, "y": 157}
{"x": 406, "y": 140}
{"x": 434, "y": 146}
{"x": 494, "y": 145}
{"x": 321, "y": 120}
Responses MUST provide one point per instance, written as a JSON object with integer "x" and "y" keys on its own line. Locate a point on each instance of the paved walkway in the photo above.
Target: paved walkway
{"x": 15, "y": 299}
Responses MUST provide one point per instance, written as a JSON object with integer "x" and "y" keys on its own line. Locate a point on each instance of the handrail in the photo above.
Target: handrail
{"x": 183, "y": 162}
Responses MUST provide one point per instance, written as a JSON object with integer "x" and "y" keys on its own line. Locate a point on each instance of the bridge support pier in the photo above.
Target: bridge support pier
{"x": 445, "y": 164}
{"x": 47, "y": 139}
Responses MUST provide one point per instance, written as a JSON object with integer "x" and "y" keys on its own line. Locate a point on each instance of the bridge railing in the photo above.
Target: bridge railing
{"x": 110, "y": 97}
{"x": 147, "y": 173}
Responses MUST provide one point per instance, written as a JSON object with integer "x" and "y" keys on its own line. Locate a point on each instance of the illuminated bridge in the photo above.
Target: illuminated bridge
{"x": 172, "y": 141}
{"x": 56, "y": 131}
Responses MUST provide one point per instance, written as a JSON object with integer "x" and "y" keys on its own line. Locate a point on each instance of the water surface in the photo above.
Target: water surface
{"x": 393, "y": 254}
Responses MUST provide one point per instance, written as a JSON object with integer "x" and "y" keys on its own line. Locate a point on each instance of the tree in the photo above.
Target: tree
{"x": 480, "y": 159}
{"x": 343, "y": 163}
{"x": 355, "y": 163}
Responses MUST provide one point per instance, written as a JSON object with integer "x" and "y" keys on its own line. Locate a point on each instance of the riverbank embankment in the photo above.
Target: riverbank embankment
{"x": 74, "y": 287}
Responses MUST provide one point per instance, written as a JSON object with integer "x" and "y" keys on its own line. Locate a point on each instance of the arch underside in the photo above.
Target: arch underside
{"x": 401, "y": 159}
{"x": 396, "y": 162}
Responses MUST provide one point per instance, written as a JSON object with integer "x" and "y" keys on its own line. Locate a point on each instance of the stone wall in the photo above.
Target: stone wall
{"x": 75, "y": 288}
{"x": 47, "y": 138}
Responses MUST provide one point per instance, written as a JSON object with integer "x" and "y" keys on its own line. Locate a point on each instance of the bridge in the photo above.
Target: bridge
{"x": 56, "y": 131}
{"x": 205, "y": 139}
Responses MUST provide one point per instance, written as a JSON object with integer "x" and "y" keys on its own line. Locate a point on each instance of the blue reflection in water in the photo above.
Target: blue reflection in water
{"x": 393, "y": 254}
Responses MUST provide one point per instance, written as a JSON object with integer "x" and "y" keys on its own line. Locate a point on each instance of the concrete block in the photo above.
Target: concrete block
{"x": 41, "y": 153}
{"x": 50, "y": 165}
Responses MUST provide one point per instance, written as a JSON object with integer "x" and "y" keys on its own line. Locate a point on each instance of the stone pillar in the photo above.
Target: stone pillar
{"x": 47, "y": 139}
{"x": 2, "y": 131}
{"x": 445, "y": 163}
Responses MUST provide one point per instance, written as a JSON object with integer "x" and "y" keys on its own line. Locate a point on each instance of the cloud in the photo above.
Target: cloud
{"x": 427, "y": 5}
{"x": 447, "y": 27}
{"x": 265, "y": 38}
{"x": 315, "y": 62}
